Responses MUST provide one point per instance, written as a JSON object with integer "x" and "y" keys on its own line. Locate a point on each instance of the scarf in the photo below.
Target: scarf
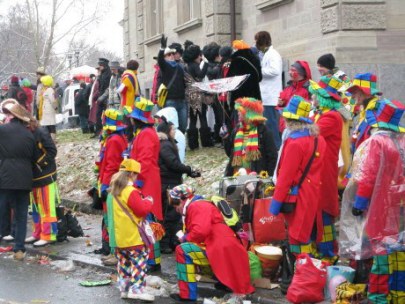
{"x": 245, "y": 150}
{"x": 41, "y": 103}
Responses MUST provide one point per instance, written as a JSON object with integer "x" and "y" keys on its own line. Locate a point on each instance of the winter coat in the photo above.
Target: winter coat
{"x": 93, "y": 99}
{"x": 45, "y": 167}
{"x": 213, "y": 70}
{"x": 111, "y": 157}
{"x": 113, "y": 96}
{"x": 245, "y": 62}
{"x": 131, "y": 89}
{"x": 104, "y": 82}
{"x": 330, "y": 128}
{"x": 81, "y": 103}
{"x": 271, "y": 84}
{"x": 145, "y": 149}
{"x": 295, "y": 155}
{"x": 168, "y": 69}
{"x": 30, "y": 97}
{"x": 193, "y": 68}
{"x": 267, "y": 148}
{"x": 49, "y": 107}
{"x": 17, "y": 93}
{"x": 123, "y": 233}
{"x": 171, "y": 168}
{"x": 17, "y": 156}
{"x": 228, "y": 259}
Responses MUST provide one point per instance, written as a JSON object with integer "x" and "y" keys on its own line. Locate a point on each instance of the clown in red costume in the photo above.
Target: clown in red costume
{"x": 145, "y": 150}
{"x": 303, "y": 148}
{"x": 373, "y": 205}
{"x": 207, "y": 241}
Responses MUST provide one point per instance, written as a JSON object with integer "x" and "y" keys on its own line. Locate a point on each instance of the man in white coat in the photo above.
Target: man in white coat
{"x": 271, "y": 84}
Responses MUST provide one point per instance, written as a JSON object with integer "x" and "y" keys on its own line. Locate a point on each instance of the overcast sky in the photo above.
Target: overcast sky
{"x": 108, "y": 32}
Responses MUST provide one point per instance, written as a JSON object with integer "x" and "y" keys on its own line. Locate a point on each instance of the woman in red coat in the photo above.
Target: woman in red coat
{"x": 302, "y": 144}
{"x": 208, "y": 241}
{"x": 145, "y": 150}
{"x": 327, "y": 99}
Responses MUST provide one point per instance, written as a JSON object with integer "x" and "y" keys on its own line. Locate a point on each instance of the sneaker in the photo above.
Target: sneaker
{"x": 41, "y": 243}
{"x": 139, "y": 295}
{"x": 8, "y": 238}
{"x": 124, "y": 295}
{"x": 30, "y": 240}
{"x": 110, "y": 261}
{"x": 19, "y": 255}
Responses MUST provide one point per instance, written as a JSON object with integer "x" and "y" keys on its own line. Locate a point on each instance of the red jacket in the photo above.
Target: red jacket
{"x": 296, "y": 153}
{"x": 145, "y": 150}
{"x": 111, "y": 157}
{"x": 228, "y": 258}
{"x": 330, "y": 126}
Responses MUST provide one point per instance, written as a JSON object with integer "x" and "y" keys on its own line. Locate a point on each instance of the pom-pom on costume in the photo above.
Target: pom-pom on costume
{"x": 375, "y": 195}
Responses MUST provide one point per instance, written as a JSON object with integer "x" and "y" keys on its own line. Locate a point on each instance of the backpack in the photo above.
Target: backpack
{"x": 68, "y": 225}
{"x": 229, "y": 214}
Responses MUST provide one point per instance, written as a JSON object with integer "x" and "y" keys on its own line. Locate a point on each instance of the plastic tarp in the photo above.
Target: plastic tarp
{"x": 378, "y": 169}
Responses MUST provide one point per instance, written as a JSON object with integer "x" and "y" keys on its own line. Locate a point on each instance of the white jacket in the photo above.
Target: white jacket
{"x": 271, "y": 84}
{"x": 49, "y": 108}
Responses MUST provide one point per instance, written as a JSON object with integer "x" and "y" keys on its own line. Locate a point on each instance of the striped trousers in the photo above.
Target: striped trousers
{"x": 44, "y": 201}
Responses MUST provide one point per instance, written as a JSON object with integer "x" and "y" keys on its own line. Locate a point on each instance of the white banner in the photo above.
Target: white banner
{"x": 221, "y": 85}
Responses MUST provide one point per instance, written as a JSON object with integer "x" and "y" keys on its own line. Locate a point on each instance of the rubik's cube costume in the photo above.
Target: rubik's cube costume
{"x": 376, "y": 192}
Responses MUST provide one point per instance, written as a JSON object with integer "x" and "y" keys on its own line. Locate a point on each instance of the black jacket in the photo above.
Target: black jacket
{"x": 267, "y": 149}
{"x": 82, "y": 103}
{"x": 178, "y": 86}
{"x": 214, "y": 70}
{"x": 104, "y": 83}
{"x": 245, "y": 62}
{"x": 193, "y": 68}
{"x": 17, "y": 156}
{"x": 45, "y": 167}
{"x": 171, "y": 168}
{"x": 17, "y": 93}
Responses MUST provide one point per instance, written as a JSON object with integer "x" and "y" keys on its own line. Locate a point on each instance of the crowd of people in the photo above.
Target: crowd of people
{"x": 335, "y": 150}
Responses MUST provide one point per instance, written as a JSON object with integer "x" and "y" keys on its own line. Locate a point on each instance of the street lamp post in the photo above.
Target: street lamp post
{"x": 77, "y": 53}
{"x": 69, "y": 56}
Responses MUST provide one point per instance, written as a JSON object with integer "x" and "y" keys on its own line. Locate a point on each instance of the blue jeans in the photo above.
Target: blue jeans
{"x": 273, "y": 117}
{"x": 20, "y": 200}
{"x": 181, "y": 107}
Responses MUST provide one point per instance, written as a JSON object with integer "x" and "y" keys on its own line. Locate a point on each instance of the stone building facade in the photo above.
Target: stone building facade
{"x": 364, "y": 35}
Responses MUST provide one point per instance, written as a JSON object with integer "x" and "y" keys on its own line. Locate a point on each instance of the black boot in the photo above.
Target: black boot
{"x": 217, "y": 138}
{"x": 205, "y": 136}
{"x": 192, "y": 137}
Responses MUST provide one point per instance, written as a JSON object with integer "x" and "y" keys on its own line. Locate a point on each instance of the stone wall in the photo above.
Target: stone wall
{"x": 364, "y": 35}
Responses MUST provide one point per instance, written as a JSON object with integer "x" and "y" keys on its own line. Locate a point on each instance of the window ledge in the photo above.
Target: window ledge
{"x": 152, "y": 40}
{"x": 189, "y": 25}
{"x": 270, "y": 4}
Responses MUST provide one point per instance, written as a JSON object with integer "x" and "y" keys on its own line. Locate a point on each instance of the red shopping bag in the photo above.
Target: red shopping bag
{"x": 308, "y": 282}
{"x": 267, "y": 227}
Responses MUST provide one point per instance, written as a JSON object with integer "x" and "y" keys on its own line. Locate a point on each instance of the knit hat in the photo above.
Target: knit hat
{"x": 113, "y": 120}
{"x": 298, "y": 108}
{"x": 114, "y": 65}
{"x": 387, "y": 115}
{"x": 182, "y": 192}
{"x": 14, "y": 79}
{"x": 327, "y": 87}
{"x": 366, "y": 82}
{"x": 47, "y": 80}
{"x": 240, "y": 45}
{"x": 177, "y": 47}
{"x": 191, "y": 53}
{"x": 12, "y": 107}
{"x": 26, "y": 83}
{"x": 130, "y": 165}
{"x": 143, "y": 111}
{"x": 251, "y": 109}
{"x": 41, "y": 71}
{"x": 169, "y": 51}
{"x": 327, "y": 61}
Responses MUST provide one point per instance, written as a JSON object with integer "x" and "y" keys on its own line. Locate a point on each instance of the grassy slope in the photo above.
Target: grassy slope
{"x": 77, "y": 154}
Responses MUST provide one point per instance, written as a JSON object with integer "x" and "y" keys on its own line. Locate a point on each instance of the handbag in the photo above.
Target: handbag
{"x": 289, "y": 205}
{"x": 163, "y": 90}
{"x": 144, "y": 229}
